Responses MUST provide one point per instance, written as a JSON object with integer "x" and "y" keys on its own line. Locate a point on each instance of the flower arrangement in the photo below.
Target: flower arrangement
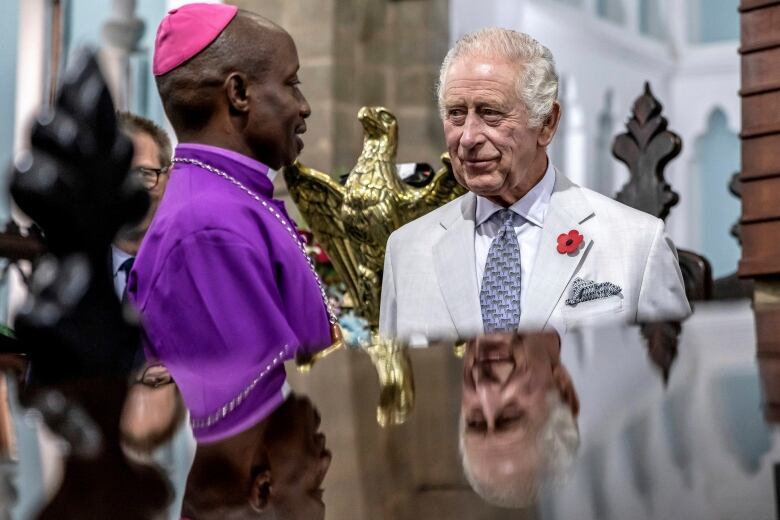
{"x": 354, "y": 328}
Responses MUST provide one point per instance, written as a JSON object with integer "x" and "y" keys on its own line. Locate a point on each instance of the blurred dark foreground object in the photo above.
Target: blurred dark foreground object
{"x": 74, "y": 184}
{"x": 80, "y": 345}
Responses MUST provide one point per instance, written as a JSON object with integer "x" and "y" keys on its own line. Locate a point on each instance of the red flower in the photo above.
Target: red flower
{"x": 321, "y": 257}
{"x": 569, "y": 242}
{"x": 313, "y": 248}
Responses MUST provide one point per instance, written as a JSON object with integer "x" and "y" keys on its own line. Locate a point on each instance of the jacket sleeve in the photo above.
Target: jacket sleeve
{"x": 387, "y": 307}
{"x": 217, "y": 302}
{"x": 662, "y": 293}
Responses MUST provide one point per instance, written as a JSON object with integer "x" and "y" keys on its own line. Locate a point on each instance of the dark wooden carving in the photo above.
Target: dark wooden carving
{"x": 732, "y": 286}
{"x": 662, "y": 344}
{"x": 75, "y": 185}
{"x": 697, "y": 275}
{"x": 646, "y": 149}
{"x": 21, "y": 244}
{"x": 735, "y": 187}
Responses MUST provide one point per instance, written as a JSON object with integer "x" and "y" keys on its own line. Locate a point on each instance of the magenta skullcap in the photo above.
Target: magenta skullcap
{"x": 186, "y": 31}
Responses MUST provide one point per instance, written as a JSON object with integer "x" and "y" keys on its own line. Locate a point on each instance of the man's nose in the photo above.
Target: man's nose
{"x": 493, "y": 372}
{"x": 472, "y": 132}
{"x": 305, "y": 107}
{"x": 488, "y": 393}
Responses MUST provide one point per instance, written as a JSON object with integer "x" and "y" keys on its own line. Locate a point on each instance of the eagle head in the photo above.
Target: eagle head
{"x": 378, "y": 123}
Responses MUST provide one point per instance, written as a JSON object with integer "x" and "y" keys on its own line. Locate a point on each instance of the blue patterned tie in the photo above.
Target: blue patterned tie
{"x": 499, "y": 297}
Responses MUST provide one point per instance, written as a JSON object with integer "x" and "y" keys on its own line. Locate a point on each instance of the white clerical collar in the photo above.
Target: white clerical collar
{"x": 533, "y": 205}
{"x": 118, "y": 257}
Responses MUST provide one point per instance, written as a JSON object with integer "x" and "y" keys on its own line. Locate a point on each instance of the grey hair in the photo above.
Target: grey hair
{"x": 557, "y": 446}
{"x": 537, "y": 82}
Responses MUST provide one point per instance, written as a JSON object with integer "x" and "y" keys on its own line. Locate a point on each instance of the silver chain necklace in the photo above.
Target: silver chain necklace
{"x": 293, "y": 234}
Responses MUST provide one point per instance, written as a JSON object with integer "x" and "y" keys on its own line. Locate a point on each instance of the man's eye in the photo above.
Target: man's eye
{"x": 507, "y": 421}
{"x": 491, "y": 114}
{"x": 476, "y": 426}
{"x": 456, "y": 114}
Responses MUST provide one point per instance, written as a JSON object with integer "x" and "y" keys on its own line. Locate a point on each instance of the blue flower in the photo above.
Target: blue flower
{"x": 355, "y": 330}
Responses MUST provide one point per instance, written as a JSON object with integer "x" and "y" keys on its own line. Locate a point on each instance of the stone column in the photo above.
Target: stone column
{"x": 121, "y": 34}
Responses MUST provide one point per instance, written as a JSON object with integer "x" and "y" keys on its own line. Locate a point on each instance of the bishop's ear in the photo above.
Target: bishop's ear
{"x": 237, "y": 90}
{"x": 260, "y": 490}
{"x": 550, "y": 125}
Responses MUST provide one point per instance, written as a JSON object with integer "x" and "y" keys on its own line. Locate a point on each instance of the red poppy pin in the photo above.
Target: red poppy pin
{"x": 569, "y": 242}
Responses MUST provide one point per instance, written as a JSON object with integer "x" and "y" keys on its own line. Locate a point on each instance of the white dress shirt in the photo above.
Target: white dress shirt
{"x": 528, "y": 222}
{"x": 118, "y": 257}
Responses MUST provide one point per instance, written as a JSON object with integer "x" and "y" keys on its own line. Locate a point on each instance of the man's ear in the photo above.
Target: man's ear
{"x": 237, "y": 91}
{"x": 260, "y": 490}
{"x": 551, "y": 342}
{"x": 550, "y": 126}
{"x": 566, "y": 388}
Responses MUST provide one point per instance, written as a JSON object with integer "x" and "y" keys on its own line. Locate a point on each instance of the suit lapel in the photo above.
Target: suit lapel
{"x": 453, "y": 261}
{"x": 552, "y": 270}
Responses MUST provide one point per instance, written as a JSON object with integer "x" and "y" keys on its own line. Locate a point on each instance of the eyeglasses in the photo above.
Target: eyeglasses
{"x": 149, "y": 177}
{"x": 155, "y": 376}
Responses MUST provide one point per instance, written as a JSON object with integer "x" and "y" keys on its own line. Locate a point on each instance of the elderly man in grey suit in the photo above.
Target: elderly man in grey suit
{"x": 526, "y": 247}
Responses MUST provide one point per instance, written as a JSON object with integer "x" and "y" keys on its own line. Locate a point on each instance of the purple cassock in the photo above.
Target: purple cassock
{"x": 224, "y": 293}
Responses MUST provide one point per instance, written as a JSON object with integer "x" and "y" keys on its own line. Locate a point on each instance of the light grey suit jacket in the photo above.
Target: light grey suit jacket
{"x": 430, "y": 289}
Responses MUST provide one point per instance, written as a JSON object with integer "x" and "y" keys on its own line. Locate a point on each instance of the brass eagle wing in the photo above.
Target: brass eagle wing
{"x": 319, "y": 199}
{"x": 441, "y": 190}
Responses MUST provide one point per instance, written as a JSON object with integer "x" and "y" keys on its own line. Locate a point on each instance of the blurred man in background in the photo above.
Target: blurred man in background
{"x": 151, "y": 161}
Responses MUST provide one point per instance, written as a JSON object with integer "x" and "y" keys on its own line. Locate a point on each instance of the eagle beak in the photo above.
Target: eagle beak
{"x": 369, "y": 118}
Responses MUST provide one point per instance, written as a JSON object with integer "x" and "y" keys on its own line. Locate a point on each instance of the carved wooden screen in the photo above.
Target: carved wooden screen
{"x": 646, "y": 148}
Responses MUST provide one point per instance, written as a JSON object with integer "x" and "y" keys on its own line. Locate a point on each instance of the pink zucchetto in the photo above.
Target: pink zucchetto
{"x": 186, "y": 31}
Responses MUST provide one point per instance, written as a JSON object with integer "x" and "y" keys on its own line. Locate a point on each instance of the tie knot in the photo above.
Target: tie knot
{"x": 127, "y": 265}
{"x": 505, "y": 217}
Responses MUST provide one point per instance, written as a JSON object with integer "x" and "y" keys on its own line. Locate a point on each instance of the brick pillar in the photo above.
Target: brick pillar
{"x": 760, "y": 177}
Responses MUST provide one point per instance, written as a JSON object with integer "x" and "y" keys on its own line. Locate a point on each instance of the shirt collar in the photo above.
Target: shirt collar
{"x": 243, "y": 168}
{"x": 118, "y": 257}
{"x": 533, "y": 205}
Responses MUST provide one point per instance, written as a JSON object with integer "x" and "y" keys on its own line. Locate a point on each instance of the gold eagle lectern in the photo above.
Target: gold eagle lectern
{"x": 352, "y": 224}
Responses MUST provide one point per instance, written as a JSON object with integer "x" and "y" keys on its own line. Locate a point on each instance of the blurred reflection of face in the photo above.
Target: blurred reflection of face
{"x": 298, "y": 460}
{"x": 510, "y": 383}
{"x": 273, "y": 470}
{"x": 506, "y": 380}
{"x": 152, "y": 411}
